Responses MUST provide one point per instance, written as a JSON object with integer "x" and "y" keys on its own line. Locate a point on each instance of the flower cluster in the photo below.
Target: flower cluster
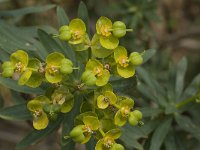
{"x": 103, "y": 112}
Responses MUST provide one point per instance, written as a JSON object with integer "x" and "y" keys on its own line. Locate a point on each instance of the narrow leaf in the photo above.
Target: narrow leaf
{"x": 188, "y": 125}
{"x": 36, "y": 135}
{"x": 180, "y": 74}
{"x": 68, "y": 124}
{"x": 83, "y": 14}
{"x": 12, "y": 84}
{"x": 170, "y": 141}
{"x": 25, "y": 11}
{"x": 148, "y": 54}
{"x": 160, "y": 134}
{"x": 62, "y": 17}
{"x": 48, "y": 42}
{"x": 17, "y": 112}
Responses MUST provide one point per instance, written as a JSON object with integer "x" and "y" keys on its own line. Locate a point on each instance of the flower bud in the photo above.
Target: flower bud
{"x": 135, "y": 58}
{"x": 119, "y": 29}
{"x": 137, "y": 114}
{"x": 66, "y": 66}
{"x": 132, "y": 119}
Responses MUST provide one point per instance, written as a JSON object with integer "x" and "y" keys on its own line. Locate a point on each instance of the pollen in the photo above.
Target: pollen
{"x": 104, "y": 31}
{"x": 19, "y": 67}
{"x": 123, "y": 61}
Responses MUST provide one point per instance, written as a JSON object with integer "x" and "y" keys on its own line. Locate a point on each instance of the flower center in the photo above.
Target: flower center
{"x": 19, "y": 67}
{"x": 107, "y": 66}
{"x": 37, "y": 113}
{"x": 76, "y": 35}
{"x": 88, "y": 129}
{"x": 108, "y": 142}
{"x": 104, "y": 31}
{"x": 98, "y": 71}
{"x": 123, "y": 61}
{"x": 125, "y": 111}
{"x": 52, "y": 69}
{"x": 59, "y": 99}
{"x": 106, "y": 99}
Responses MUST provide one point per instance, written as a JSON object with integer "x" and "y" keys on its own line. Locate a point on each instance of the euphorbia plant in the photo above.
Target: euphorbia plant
{"x": 85, "y": 84}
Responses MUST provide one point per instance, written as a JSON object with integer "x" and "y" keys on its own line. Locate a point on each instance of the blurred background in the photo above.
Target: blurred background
{"x": 171, "y": 27}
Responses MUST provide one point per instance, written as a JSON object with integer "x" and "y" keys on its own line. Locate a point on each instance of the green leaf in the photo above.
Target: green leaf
{"x": 4, "y": 55}
{"x": 180, "y": 74}
{"x": 62, "y": 17}
{"x": 150, "y": 112}
{"x": 170, "y": 141}
{"x": 17, "y": 112}
{"x": 192, "y": 88}
{"x": 91, "y": 144}
{"x": 120, "y": 85}
{"x": 68, "y": 124}
{"x": 25, "y": 11}
{"x": 128, "y": 137}
{"x": 17, "y": 98}
{"x": 152, "y": 89}
{"x": 160, "y": 134}
{"x": 1, "y": 101}
{"x": 35, "y": 136}
{"x": 83, "y": 14}
{"x": 50, "y": 44}
{"x": 11, "y": 84}
{"x": 188, "y": 125}
{"x": 148, "y": 54}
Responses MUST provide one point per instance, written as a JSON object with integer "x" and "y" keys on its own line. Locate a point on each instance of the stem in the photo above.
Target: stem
{"x": 55, "y": 35}
{"x": 186, "y": 101}
{"x": 128, "y": 30}
{"x": 101, "y": 131}
{"x": 75, "y": 68}
{"x": 143, "y": 53}
{"x": 117, "y": 106}
{"x": 89, "y": 54}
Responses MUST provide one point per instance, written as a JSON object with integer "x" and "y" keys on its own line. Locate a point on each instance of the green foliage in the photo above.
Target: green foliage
{"x": 87, "y": 85}
{"x": 53, "y": 71}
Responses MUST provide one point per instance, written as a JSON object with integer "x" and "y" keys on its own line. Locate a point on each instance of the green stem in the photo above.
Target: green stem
{"x": 102, "y": 132}
{"x": 89, "y": 53}
{"x": 186, "y": 101}
{"x": 128, "y": 30}
{"x": 75, "y": 68}
{"x": 117, "y": 106}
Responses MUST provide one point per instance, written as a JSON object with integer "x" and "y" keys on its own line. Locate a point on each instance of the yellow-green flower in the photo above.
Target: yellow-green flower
{"x": 97, "y": 50}
{"x": 82, "y": 133}
{"x": 64, "y": 99}
{"x": 104, "y": 28}
{"x": 124, "y": 67}
{"x": 78, "y": 31}
{"x": 57, "y": 66}
{"x": 108, "y": 140}
{"x": 35, "y": 106}
{"x": 95, "y": 73}
{"x": 105, "y": 99}
{"x": 124, "y": 111}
